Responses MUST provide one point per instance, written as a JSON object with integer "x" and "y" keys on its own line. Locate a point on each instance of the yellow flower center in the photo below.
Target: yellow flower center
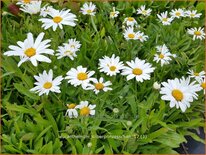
{"x": 112, "y": 13}
{"x": 137, "y": 71}
{"x": 144, "y": 12}
{"x": 197, "y": 33}
{"x": 84, "y": 111}
{"x": 203, "y": 85}
{"x": 68, "y": 52}
{"x": 82, "y": 76}
{"x": 177, "y": 94}
{"x": 30, "y": 52}
{"x": 47, "y": 85}
{"x": 192, "y": 14}
{"x": 164, "y": 19}
{"x": 161, "y": 56}
{"x": 71, "y": 106}
{"x": 89, "y": 11}
{"x": 177, "y": 14}
{"x": 196, "y": 74}
{"x": 99, "y": 86}
{"x": 57, "y": 19}
{"x": 27, "y": 1}
{"x": 130, "y": 19}
{"x": 131, "y": 35}
{"x": 72, "y": 46}
{"x": 112, "y": 68}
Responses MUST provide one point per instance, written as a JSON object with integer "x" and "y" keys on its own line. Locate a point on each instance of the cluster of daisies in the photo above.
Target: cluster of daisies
{"x": 180, "y": 92}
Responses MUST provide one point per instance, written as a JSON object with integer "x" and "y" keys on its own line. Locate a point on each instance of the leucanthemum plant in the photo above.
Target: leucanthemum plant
{"x": 45, "y": 83}
{"x": 192, "y": 14}
{"x": 130, "y": 21}
{"x": 196, "y": 75}
{"x": 177, "y": 13}
{"x": 58, "y": 19}
{"x": 110, "y": 66}
{"x": 198, "y": 33}
{"x": 180, "y": 92}
{"x": 31, "y": 50}
{"x": 88, "y": 9}
{"x": 32, "y": 7}
{"x": 143, "y": 11}
{"x": 114, "y": 13}
{"x": 99, "y": 85}
{"x": 71, "y": 111}
{"x": 138, "y": 69}
{"x": 163, "y": 17}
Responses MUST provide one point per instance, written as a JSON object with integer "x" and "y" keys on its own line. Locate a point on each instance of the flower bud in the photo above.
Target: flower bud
{"x": 14, "y": 9}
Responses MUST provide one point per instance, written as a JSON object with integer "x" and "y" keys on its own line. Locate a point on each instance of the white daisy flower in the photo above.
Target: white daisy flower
{"x": 66, "y": 51}
{"x": 163, "y": 55}
{"x": 202, "y": 83}
{"x": 86, "y": 109}
{"x": 114, "y": 13}
{"x": 33, "y": 7}
{"x": 45, "y": 83}
{"x": 130, "y": 21}
{"x": 79, "y": 76}
{"x": 59, "y": 18}
{"x": 88, "y": 9}
{"x": 143, "y": 11}
{"x": 164, "y": 18}
{"x": 99, "y": 85}
{"x": 71, "y": 111}
{"x": 196, "y": 75}
{"x": 138, "y": 69}
{"x": 177, "y": 13}
{"x": 31, "y": 50}
{"x": 192, "y": 14}
{"x": 141, "y": 36}
{"x": 180, "y": 92}
{"x": 198, "y": 33}
{"x": 110, "y": 66}
{"x": 129, "y": 34}
{"x": 46, "y": 10}
{"x": 74, "y": 44}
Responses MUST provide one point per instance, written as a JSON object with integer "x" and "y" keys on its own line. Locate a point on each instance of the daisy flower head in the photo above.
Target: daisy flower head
{"x": 138, "y": 69}
{"x": 99, "y": 85}
{"x": 45, "y": 83}
{"x": 164, "y": 18}
{"x": 196, "y": 75}
{"x": 33, "y": 7}
{"x": 192, "y": 14}
{"x": 141, "y": 36}
{"x": 46, "y": 10}
{"x": 58, "y": 19}
{"x": 86, "y": 109}
{"x": 202, "y": 83}
{"x": 130, "y": 21}
{"x": 110, "y": 66}
{"x": 71, "y": 111}
{"x": 180, "y": 92}
{"x": 114, "y": 13}
{"x": 74, "y": 44}
{"x": 31, "y": 50}
{"x": 88, "y": 9}
{"x": 177, "y": 13}
{"x": 198, "y": 33}
{"x": 79, "y": 76}
{"x": 163, "y": 55}
{"x": 143, "y": 11}
{"x": 129, "y": 34}
{"x": 66, "y": 51}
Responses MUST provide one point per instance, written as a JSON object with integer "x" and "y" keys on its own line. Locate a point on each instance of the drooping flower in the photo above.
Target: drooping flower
{"x": 114, "y": 13}
{"x": 71, "y": 111}
{"x": 130, "y": 21}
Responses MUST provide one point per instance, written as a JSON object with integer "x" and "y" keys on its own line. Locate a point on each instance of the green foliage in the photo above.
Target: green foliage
{"x": 33, "y": 124}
